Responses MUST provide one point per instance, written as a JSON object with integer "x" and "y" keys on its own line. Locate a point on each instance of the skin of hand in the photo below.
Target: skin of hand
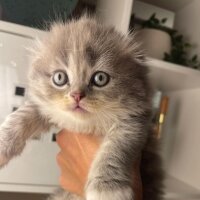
{"x": 77, "y": 151}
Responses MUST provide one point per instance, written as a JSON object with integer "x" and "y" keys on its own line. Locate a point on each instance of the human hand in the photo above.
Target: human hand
{"x": 75, "y": 158}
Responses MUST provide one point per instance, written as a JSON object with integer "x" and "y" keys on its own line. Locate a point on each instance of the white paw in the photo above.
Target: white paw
{"x": 115, "y": 194}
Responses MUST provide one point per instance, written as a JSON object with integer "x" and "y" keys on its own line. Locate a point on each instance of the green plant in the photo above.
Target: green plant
{"x": 180, "y": 48}
{"x": 180, "y": 52}
{"x": 154, "y": 22}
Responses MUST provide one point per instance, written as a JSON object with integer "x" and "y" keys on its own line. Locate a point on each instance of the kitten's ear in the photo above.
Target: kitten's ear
{"x": 19, "y": 126}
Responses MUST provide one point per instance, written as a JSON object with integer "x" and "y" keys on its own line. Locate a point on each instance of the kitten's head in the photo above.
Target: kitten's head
{"x": 86, "y": 70}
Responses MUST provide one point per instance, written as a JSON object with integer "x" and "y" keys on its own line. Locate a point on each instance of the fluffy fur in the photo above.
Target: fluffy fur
{"x": 120, "y": 111}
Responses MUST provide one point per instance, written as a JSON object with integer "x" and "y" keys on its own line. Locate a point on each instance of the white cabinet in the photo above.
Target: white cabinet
{"x": 13, "y": 67}
{"x": 35, "y": 170}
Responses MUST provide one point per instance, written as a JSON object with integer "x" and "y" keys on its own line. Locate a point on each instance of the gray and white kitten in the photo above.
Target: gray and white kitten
{"x": 88, "y": 78}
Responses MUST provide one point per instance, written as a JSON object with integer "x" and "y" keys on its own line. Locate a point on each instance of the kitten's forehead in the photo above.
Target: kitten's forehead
{"x": 75, "y": 35}
{"x": 84, "y": 37}
{"x": 85, "y": 42}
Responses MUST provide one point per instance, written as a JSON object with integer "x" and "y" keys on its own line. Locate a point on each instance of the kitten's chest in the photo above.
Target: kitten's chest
{"x": 91, "y": 126}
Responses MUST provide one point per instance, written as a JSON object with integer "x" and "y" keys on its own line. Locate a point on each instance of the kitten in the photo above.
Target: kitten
{"x": 87, "y": 78}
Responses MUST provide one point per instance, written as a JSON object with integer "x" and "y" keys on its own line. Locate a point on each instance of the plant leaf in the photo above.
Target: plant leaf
{"x": 187, "y": 45}
{"x": 164, "y": 20}
{"x": 194, "y": 58}
{"x": 152, "y": 16}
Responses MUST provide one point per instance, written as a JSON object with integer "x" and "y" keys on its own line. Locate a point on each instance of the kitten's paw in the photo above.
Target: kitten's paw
{"x": 125, "y": 193}
{"x": 61, "y": 194}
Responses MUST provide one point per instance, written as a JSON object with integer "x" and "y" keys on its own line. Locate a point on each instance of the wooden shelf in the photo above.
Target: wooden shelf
{"x": 171, "y": 77}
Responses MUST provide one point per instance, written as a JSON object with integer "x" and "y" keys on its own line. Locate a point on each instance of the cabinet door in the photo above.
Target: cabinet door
{"x": 37, "y": 164}
{"x": 13, "y": 71}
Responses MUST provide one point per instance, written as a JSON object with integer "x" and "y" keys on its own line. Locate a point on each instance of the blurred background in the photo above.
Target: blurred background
{"x": 169, "y": 33}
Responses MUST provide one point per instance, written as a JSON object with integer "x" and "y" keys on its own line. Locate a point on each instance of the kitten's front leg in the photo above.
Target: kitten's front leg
{"x": 110, "y": 175}
{"x": 17, "y": 128}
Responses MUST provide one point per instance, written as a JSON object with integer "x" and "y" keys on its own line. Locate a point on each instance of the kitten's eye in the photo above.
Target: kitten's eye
{"x": 100, "y": 79}
{"x": 60, "y": 78}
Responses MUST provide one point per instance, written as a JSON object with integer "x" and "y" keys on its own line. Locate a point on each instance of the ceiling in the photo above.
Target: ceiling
{"x": 172, "y": 5}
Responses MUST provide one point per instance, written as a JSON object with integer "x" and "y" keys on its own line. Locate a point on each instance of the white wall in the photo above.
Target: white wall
{"x": 181, "y": 136}
{"x": 187, "y": 22}
{"x": 115, "y": 12}
{"x": 144, "y": 11}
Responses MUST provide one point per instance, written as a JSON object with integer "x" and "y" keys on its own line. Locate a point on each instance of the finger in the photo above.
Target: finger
{"x": 69, "y": 179}
{"x": 63, "y": 163}
{"x": 71, "y": 185}
{"x": 62, "y": 137}
{"x": 66, "y": 137}
{"x": 70, "y": 143}
{"x": 77, "y": 147}
{"x": 70, "y": 166}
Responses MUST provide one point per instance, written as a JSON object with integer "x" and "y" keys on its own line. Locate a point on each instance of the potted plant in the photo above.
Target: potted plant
{"x": 155, "y": 37}
{"x": 179, "y": 53}
{"x": 164, "y": 43}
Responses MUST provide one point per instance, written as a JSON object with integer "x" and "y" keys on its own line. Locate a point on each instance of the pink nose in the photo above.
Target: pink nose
{"x": 77, "y": 96}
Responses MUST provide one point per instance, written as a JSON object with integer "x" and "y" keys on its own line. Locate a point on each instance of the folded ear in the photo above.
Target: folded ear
{"x": 17, "y": 128}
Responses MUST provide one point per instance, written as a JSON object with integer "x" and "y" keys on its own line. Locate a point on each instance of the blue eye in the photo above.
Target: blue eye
{"x": 60, "y": 78}
{"x": 100, "y": 79}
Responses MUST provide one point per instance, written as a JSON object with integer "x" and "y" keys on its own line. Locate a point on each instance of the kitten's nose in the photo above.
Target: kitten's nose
{"x": 77, "y": 95}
